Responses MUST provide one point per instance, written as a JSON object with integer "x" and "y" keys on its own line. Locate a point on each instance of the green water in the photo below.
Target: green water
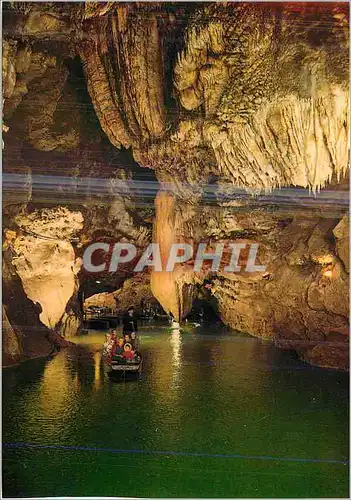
{"x": 213, "y": 415}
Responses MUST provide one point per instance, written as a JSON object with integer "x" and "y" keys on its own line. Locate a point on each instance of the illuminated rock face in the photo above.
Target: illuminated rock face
{"x": 45, "y": 260}
{"x": 267, "y": 90}
{"x": 45, "y": 269}
{"x": 24, "y": 335}
{"x": 126, "y": 48}
{"x": 173, "y": 289}
{"x": 275, "y": 103}
{"x": 300, "y": 301}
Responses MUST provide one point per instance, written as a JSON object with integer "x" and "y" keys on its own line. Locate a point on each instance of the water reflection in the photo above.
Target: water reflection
{"x": 176, "y": 343}
{"x": 199, "y": 392}
{"x": 97, "y": 370}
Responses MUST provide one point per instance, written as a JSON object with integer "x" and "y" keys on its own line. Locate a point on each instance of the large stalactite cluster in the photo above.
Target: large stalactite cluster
{"x": 261, "y": 88}
{"x": 122, "y": 52}
{"x": 213, "y": 98}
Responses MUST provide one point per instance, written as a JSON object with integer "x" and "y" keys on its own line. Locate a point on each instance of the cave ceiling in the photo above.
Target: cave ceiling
{"x": 252, "y": 94}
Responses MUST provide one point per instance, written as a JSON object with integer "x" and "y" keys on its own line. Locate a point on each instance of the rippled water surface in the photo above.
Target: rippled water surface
{"x": 212, "y": 415}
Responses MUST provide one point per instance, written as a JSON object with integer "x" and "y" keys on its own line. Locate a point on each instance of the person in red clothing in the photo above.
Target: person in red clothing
{"x": 128, "y": 353}
{"x": 117, "y": 349}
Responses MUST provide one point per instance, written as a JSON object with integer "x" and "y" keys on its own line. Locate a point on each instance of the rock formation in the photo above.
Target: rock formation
{"x": 239, "y": 115}
{"x": 44, "y": 259}
{"x": 135, "y": 291}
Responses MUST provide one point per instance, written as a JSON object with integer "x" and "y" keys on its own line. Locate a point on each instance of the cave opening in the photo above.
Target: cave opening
{"x": 104, "y": 304}
{"x": 97, "y": 304}
{"x": 90, "y": 288}
{"x": 204, "y": 311}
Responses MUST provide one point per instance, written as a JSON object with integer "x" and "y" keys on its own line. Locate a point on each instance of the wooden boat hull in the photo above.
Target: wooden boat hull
{"x": 125, "y": 368}
{"x": 114, "y": 367}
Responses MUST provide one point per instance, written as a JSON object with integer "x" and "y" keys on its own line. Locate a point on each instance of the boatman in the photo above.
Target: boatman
{"x": 129, "y": 322}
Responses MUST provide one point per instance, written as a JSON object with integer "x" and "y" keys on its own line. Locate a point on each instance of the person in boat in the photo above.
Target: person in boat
{"x": 129, "y": 322}
{"x": 109, "y": 344}
{"x": 128, "y": 353}
{"x": 134, "y": 341}
{"x": 126, "y": 338}
{"x": 118, "y": 347}
{"x": 135, "y": 346}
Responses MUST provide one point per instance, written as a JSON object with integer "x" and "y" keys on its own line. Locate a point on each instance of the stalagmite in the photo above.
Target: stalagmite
{"x": 173, "y": 289}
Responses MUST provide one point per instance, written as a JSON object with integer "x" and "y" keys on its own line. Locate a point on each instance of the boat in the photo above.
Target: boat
{"x": 128, "y": 366}
{"x": 118, "y": 363}
{"x": 124, "y": 367}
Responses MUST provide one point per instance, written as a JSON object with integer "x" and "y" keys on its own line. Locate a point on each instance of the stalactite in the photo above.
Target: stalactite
{"x": 124, "y": 66}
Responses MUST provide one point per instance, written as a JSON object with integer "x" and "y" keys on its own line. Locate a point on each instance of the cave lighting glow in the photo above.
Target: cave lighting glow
{"x": 97, "y": 370}
{"x": 328, "y": 273}
{"x": 176, "y": 343}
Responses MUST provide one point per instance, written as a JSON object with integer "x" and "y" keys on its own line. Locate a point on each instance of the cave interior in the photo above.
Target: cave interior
{"x": 187, "y": 123}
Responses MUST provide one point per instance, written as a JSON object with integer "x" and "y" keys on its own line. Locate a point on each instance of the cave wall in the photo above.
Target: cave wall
{"x": 300, "y": 300}
{"x": 24, "y": 335}
{"x": 261, "y": 89}
{"x": 45, "y": 261}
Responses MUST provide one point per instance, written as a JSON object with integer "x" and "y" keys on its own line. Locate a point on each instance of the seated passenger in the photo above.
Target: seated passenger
{"x": 118, "y": 347}
{"x": 128, "y": 353}
{"x": 134, "y": 341}
{"x": 109, "y": 344}
{"x": 126, "y": 337}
